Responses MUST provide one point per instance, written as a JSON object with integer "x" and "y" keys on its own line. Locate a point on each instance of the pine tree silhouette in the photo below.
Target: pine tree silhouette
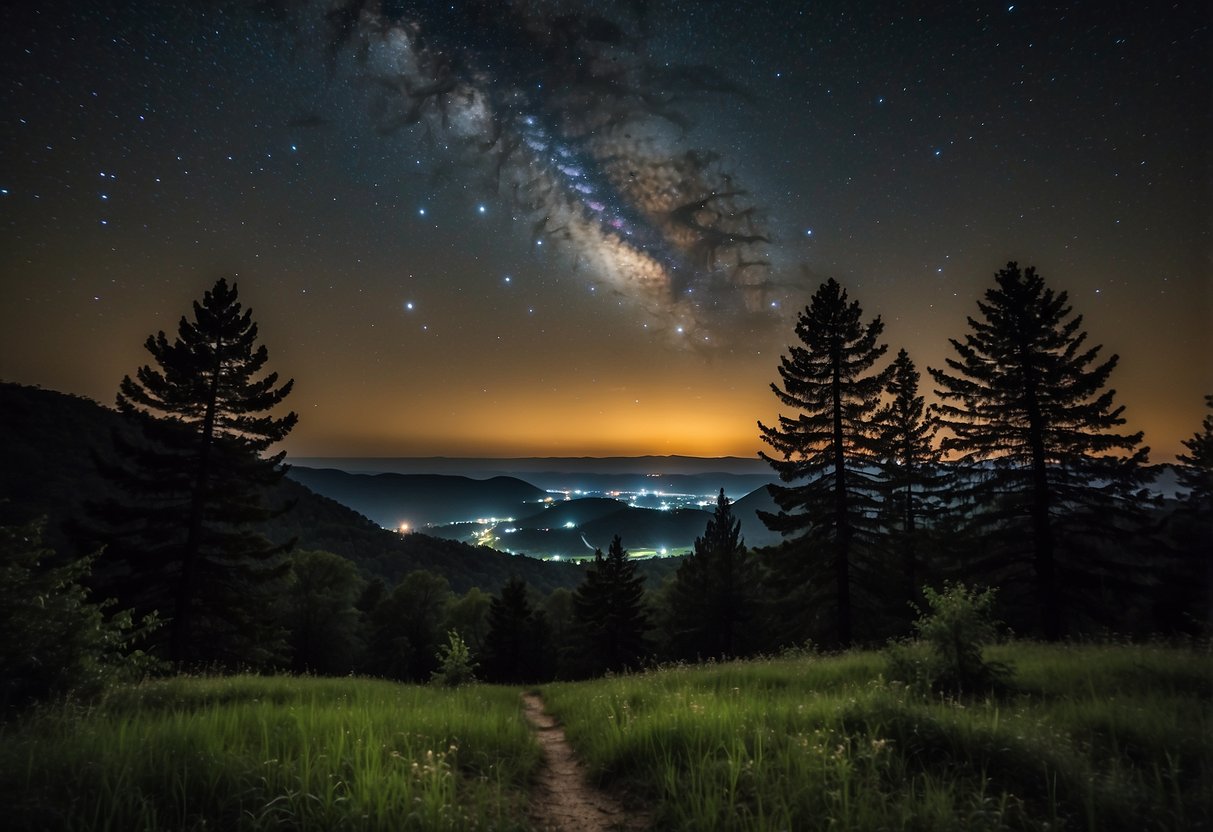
{"x": 608, "y": 613}
{"x": 913, "y": 479}
{"x": 1058, "y": 491}
{"x": 713, "y": 596}
{"x": 515, "y": 648}
{"x": 195, "y": 484}
{"x": 829, "y": 449}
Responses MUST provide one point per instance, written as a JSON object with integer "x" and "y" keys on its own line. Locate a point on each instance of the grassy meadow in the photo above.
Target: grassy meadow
{"x": 251, "y": 753}
{"x": 1088, "y": 738}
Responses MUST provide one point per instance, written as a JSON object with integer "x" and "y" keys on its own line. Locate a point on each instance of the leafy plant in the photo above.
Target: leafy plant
{"x": 455, "y": 663}
{"x": 958, "y": 623}
{"x": 58, "y": 641}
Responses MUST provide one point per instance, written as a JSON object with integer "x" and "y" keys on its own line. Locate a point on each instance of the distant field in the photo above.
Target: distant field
{"x": 1092, "y": 738}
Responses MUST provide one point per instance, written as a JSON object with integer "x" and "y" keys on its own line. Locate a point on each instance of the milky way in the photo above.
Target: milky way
{"x": 581, "y": 130}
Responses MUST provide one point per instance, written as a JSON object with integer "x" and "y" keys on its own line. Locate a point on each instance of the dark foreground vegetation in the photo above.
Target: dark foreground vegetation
{"x": 1110, "y": 737}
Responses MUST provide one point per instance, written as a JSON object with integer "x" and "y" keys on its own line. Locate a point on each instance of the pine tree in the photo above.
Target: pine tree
{"x": 1185, "y": 592}
{"x": 712, "y": 600}
{"x": 1026, "y": 408}
{"x": 829, "y": 449}
{"x": 515, "y": 647}
{"x": 608, "y": 613}
{"x": 912, "y": 475}
{"x": 1196, "y": 467}
{"x": 194, "y": 485}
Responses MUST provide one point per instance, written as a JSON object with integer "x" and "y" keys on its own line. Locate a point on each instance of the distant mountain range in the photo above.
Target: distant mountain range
{"x": 527, "y": 519}
{"x": 665, "y": 474}
{"x": 513, "y": 466}
{"x": 48, "y": 441}
{"x": 420, "y": 500}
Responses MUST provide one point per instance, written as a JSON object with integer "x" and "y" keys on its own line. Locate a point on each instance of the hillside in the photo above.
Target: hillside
{"x": 48, "y": 441}
{"x": 421, "y": 500}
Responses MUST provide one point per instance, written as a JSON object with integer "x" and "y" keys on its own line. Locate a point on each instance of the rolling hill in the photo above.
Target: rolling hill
{"x": 420, "y": 500}
{"x": 48, "y": 441}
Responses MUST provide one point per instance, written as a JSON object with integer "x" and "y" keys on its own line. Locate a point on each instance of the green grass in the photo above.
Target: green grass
{"x": 1093, "y": 738}
{"x": 252, "y": 753}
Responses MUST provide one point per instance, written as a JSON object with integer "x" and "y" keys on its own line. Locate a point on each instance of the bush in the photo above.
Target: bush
{"x": 455, "y": 665}
{"x": 957, "y": 626}
{"x": 57, "y": 642}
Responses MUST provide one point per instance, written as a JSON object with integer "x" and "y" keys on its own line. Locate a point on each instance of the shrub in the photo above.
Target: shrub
{"x": 455, "y": 665}
{"x": 958, "y": 624}
{"x": 57, "y": 641}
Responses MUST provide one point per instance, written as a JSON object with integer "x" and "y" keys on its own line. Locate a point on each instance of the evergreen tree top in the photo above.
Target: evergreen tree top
{"x": 829, "y": 378}
{"x": 1025, "y": 367}
{"x": 207, "y": 376}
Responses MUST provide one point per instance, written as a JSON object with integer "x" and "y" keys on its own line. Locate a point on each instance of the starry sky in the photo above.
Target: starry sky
{"x": 570, "y": 228}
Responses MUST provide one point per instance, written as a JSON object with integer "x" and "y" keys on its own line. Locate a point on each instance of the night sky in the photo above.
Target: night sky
{"x": 573, "y": 228}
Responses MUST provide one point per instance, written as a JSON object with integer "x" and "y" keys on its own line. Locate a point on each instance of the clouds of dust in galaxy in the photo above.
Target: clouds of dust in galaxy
{"x": 583, "y": 130}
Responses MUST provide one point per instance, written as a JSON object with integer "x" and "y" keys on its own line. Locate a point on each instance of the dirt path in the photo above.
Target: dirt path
{"x": 564, "y": 799}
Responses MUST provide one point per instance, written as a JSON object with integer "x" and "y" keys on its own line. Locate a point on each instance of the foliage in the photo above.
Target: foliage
{"x": 1184, "y": 594}
{"x": 1106, "y": 737}
{"x": 829, "y": 448}
{"x": 516, "y": 646}
{"x": 406, "y": 628}
{"x": 609, "y": 621}
{"x": 194, "y": 483}
{"x": 321, "y": 618}
{"x": 1196, "y": 466}
{"x": 455, "y": 664}
{"x": 957, "y": 626}
{"x": 913, "y": 478}
{"x": 57, "y": 642}
{"x": 273, "y": 753}
{"x": 713, "y": 598}
{"x": 1057, "y": 491}
{"x": 469, "y": 614}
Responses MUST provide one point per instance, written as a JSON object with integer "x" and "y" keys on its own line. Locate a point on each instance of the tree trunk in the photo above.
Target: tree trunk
{"x": 1039, "y": 510}
{"x": 841, "y": 520}
{"x": 183, "y": 615}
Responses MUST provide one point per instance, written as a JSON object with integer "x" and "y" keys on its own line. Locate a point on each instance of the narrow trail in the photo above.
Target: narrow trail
{"x": 564, "y": 799}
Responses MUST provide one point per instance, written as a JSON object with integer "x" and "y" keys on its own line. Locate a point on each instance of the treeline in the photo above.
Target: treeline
{"x": 1021, "y": 478}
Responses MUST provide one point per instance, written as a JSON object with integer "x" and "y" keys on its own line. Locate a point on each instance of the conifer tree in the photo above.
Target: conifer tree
{"x": 913, "y": 478}
{"x": 608, "y": 613}
{"x": 1025, "y": 406}
{"x": 1196, "y": 466}
{"x": 713, "y": 597}
{"x": 195, "y": 484}
{"x": 515, "y": 647}
{"x": 828, "y": 450}
{"x": 1185, "y": 593}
